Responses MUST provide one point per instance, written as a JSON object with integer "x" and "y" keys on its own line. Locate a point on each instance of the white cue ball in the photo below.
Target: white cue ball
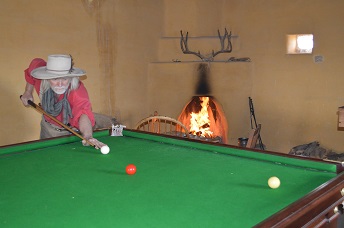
{"x": 274, "y": 182}
{"x": 105, "y": 150}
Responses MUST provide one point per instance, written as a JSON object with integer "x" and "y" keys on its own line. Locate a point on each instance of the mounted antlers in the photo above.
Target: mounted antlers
{"x": 227, "y": 36}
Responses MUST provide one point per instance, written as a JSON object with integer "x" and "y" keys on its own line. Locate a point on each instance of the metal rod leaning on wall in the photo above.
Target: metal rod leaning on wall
{"x": 254, "y": 121}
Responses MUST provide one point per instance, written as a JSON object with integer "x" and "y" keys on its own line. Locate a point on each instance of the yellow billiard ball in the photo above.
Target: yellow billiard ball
{"x": 274, "y": 182}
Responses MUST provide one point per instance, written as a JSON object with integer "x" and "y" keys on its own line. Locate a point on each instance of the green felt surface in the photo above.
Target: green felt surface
{"x": 63, "y": 184}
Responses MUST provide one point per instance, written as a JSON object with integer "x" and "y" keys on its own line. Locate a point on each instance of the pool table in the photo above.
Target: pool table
{"x": 179, "y": 183}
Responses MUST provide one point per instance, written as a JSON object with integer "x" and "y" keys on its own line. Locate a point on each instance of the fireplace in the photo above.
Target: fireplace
{"x": 203, "y": 115}
{"x": 205, "y": 119}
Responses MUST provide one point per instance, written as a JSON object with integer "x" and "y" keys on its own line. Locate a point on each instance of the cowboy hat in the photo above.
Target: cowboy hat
{"x": 58, "y": 66}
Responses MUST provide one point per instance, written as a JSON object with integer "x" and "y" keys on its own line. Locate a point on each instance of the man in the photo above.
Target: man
{"x": 62, "y": 95}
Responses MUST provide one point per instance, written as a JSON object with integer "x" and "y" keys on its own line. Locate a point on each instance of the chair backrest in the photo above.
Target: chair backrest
{"x": 163, "y": 125}
{"x": 253, "y": 137}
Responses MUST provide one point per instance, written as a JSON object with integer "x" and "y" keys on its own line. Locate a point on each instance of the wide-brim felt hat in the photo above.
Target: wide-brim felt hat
{"x": 58, "y": 66}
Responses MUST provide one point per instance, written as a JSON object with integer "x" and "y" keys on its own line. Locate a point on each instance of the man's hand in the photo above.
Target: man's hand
{"x": 95, "y": 142}
{"x": 25, "y": 98}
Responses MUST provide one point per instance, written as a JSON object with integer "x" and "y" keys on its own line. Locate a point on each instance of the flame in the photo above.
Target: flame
{"x": 215, "y": 123}
{"x": 199, "y": 122}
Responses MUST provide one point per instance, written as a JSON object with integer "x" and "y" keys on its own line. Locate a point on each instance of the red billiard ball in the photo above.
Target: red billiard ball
{"x": 131, "y": 169}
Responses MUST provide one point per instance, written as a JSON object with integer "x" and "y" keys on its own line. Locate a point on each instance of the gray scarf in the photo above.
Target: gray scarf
{"x": 54, "y": 108}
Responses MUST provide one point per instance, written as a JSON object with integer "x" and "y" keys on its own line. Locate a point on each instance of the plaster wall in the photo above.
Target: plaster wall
{"x": 296, "y": 99}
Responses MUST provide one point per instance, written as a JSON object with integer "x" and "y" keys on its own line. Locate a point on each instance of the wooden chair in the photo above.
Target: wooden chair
{"x": 162, "y": 125}
{"x": 253, "y": 137}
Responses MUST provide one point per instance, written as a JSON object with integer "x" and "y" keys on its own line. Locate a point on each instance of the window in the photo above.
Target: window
{"x": 300, "y": 44}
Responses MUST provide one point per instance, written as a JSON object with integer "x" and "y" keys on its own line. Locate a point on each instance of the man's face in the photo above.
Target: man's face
{"x": 59, "y": 85}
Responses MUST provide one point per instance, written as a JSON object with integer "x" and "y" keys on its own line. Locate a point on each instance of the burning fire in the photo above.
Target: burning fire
{"x": 204, "y": 117}
{"x": 199, "y": 122}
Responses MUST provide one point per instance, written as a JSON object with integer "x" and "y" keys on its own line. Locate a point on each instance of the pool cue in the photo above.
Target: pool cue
{"x": 39, "y": 109}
